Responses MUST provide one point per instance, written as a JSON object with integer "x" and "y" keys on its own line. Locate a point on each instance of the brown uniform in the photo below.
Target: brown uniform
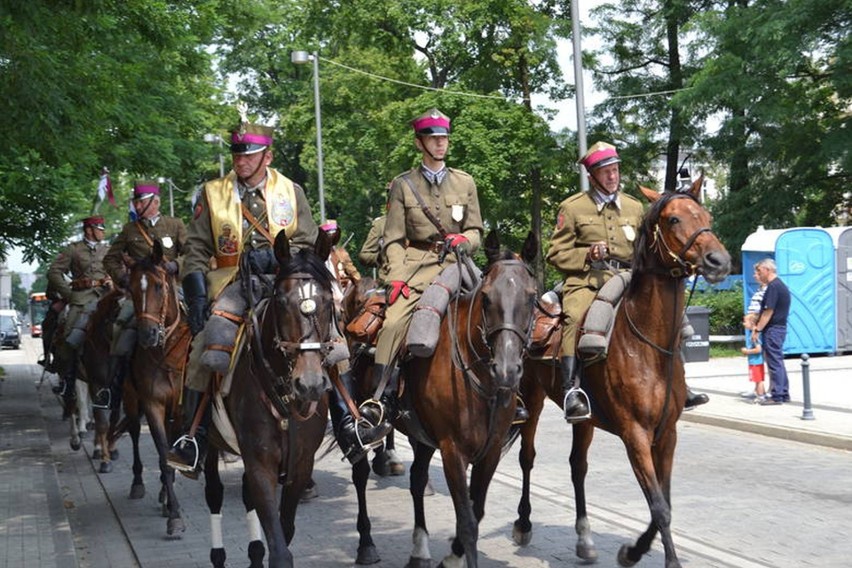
{"x": 412, "y": 243}
{"x": 170, "y": 231}
{"x": 580, "y": 223}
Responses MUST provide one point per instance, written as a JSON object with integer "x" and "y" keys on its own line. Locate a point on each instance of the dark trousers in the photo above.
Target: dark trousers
{"x": 773, "y": 353}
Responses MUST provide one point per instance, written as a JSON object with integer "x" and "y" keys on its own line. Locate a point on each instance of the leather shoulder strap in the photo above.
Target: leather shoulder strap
{"x": 426, "y": 211}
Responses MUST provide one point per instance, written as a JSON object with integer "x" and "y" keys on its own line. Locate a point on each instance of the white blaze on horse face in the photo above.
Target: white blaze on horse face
{"x": 143, "y": 285}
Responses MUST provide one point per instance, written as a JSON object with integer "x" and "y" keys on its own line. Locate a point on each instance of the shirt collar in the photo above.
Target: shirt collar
{"x": 91, "y": 244}
{"x": 601, "y": 199}
{"x": 258, "y": 189}
{"x": 433, "y": 176}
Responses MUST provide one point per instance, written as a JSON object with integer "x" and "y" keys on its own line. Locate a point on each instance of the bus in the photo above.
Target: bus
{"x": 39, "y": 304}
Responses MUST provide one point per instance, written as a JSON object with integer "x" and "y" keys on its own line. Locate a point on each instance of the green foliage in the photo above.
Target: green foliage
{"x": 726, "y": 307}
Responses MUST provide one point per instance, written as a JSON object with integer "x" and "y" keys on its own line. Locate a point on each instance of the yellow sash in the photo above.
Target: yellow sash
{"x": 226, "y": 222}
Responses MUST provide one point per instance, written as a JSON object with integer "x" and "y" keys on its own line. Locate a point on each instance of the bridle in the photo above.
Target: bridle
{"x": 170, "y": 292}
{"x": 684, "y": 267}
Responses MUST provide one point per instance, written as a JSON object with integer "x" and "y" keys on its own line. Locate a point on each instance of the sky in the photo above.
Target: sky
{"x": 566, "y": 116}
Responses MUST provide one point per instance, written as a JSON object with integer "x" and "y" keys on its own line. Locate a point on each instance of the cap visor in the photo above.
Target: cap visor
{"x": 239, "y": 148}
{"x": 433, "y": 131}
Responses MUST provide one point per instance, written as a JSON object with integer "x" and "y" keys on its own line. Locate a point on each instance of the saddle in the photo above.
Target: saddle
{"x": 546, "y": 334}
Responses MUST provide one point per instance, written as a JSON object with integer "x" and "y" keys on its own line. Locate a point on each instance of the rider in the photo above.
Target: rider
{"x": 592, "y": 227}
{"x": 414, "y": 243}
{"x": 135, "y": 242}
{"x": 83, "y": 262}
{"x": 339, "y": 262}
{"x": 253, "y": 202}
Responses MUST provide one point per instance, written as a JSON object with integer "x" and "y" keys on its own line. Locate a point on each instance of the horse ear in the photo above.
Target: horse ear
{"x": 492, "y": 246}
{"x": 530, "y": 250}
{"x": 157, "y": 253}
{"x": 695, "y": 190}
{"x": 282, "y": 248}
{"x": 322, "y": 246}
{"x": 649, "y": 194}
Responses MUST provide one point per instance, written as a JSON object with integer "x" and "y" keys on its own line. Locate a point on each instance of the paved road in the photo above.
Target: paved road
{"x": 740, "y": 500}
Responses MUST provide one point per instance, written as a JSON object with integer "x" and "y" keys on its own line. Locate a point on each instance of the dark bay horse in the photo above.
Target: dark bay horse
{"x": 463, "y": 397}
{"x": 155, "y": 381}
{"x": 638, "y": 391}
{"x": 278, "y": 403}
{"x": 95, "y": 360}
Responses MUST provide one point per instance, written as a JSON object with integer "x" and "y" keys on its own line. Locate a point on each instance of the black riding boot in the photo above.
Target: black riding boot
{"x": 69, "y": 391}
{"x": 187, "y": 454}
{"x": 110, "y": 397}
{"x": 694, "y": 399}
{"x": 575, "y": 403}
{"x": 386, "y": 409}
{"x": 353, "y": 438}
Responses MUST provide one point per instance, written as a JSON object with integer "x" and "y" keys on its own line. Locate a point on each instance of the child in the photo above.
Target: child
{"x": 755, "y": 359}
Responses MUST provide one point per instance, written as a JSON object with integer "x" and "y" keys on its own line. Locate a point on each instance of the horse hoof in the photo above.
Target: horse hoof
{"x": 589, "y": 553}
{"x": 106, "y": 467}
{"x": 113, "y": 455}
{"x": 175, "y": 527}
{"x": 137, "y": 491}
{"x": 381, "y": 467}
{"x": 75, "y": 445}
{"x": 96, "y": 454}
{"x": 419, "y": 563}
{"x": 395, "y": 464}
{"x": 521, "y": 537}
{"x": 367, "y": 555}
{"x": 308, "y": 494}
{"x": 623, "y": 560}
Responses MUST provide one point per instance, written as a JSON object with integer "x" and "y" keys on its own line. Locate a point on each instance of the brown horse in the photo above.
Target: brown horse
{"x": 156, "y": 373}
{"x": 638, "y": 391}
{"x": 277, "y": 402}
{"x": 95, "y": 359}
{"x": 463, "y": 397}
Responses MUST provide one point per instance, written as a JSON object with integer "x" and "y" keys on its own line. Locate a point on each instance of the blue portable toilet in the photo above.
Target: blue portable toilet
{"x": 842, "y": 240}
{"x": 806, "y": 262}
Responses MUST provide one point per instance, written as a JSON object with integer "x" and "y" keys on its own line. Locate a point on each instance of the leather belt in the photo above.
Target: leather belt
{"x": 429, "y": 246}
{"x": 619, "y": 264}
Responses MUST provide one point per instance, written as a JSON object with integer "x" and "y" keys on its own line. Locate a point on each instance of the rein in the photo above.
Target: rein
{"x": 164, "y": 331}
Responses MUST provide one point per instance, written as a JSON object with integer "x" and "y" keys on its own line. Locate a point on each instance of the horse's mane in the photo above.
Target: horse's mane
{"x": 642, "y": 253}
{"x": 306, "y": 261}
{"x": 146, "y": 263}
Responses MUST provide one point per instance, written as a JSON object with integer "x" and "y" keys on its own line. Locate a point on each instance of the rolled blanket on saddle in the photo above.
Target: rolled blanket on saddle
{"x": 220, "y": 331}
{"x": 77, "y": 334}
{"x": 425, "y": 324}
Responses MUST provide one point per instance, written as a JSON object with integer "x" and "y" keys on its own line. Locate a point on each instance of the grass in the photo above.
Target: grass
{"x": 724, "y": 350}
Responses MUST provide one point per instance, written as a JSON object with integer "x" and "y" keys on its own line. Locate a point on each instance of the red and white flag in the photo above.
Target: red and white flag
{"x": 105, "y": 188}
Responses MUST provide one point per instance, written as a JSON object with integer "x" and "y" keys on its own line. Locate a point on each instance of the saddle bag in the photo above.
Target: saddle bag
{"x": 364, "y": 327}
{"x": 546, "y": 335}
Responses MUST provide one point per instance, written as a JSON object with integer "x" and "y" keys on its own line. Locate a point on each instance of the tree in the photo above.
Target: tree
{"x": 20, "y": 298}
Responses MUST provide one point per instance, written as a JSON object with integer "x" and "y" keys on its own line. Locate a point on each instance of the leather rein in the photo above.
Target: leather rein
{"x": 170, "y": 291}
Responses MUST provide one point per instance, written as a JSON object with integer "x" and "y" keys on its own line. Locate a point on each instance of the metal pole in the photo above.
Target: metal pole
{"x": 578, "y": 85}
{"x": 807, "y": 410}
{"x": 319, "y": 137}
{"x": 221, "y": 157}
{"x": 171, "y": 198}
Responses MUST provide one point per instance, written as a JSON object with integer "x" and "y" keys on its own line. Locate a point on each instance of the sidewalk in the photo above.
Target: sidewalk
{"x": 830, "y": 393}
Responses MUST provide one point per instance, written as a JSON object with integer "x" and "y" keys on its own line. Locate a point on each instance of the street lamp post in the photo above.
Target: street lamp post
{"x": 216, "y": 139}
{"x": 167, "y": 181}
{"x": 301, "y": 58}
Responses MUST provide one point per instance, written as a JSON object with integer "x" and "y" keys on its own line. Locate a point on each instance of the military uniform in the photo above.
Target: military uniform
{"x": 372, "y": 251}
{"x": 580, "y": 223}
{"x": 343, "y": 269}
{"x": 170, "y": 231}
{"x": 413, "y": 244}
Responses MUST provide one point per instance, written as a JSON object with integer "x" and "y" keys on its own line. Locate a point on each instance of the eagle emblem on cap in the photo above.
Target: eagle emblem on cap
{"x": 242, "y": 109}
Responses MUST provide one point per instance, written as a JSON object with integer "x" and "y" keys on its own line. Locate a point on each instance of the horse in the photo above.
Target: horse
{"x": 638, "y": 391}
{"x": 277, "y": 403}
{"x": 155, "y": 380}
{"x": 95, "y": 359}
{"x": 462, "y": 399}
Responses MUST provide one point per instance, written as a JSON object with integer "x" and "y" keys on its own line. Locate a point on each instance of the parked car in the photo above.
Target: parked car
{"x": 10, "y": 329}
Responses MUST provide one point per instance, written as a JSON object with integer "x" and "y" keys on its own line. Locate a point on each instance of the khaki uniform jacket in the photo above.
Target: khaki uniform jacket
{"x": 579, "y": 224}
{"x": 200, "y": 244}
{"x": 85, "y": 267}
{"x": 370, "y": 254}
{"x": 345, "y": 270}
{"x": 454, "y": 202}
{"x": 170, "y": 231}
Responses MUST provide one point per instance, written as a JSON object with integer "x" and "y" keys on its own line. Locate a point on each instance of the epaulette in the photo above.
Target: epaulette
{"x": 572, "y": 198}
{"x": 459, "y": 172}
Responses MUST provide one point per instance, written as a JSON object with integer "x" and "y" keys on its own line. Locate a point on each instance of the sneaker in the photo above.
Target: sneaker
{"x": 770, "y": 402}
{"x": 758, "y": 399}
{"x": 750, "y": 395}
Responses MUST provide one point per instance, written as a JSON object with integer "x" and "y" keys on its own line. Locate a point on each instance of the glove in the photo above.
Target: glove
{"x": 171, "y": 267}
{"x": 195, "y": 293}
{"x": 457, "y": 242}
{"x": 396, "y": 288}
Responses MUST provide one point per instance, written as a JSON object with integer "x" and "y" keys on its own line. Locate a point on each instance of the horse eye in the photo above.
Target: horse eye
{"x": 674, "y": 221}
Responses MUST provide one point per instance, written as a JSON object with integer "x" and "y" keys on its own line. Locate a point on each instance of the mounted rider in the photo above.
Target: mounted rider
{"x": 135, "y": 242}
{"x": 594, "y": 238}
{"x": 239, "y": 214}
{"x": 83, "y": 262}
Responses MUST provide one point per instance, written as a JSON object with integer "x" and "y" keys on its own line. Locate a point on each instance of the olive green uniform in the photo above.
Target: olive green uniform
{"x": 580, "y": 223}
{"x": 170, "y": 231}
{"x": 201, "y": 248}
{"x": 83, "y": 261}
{"x": 372, "y": 253}
{"x": 407, "y": 235}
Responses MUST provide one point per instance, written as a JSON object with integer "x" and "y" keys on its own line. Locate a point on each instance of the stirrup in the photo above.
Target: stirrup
{"x": 180, "y": 444}
{"x": 521, "y": 407}
{"x": 100, "y": 406}
{"x": 368, "y": 424}
{"x": 577, "y": 419}
{"x": 370, "y": 403}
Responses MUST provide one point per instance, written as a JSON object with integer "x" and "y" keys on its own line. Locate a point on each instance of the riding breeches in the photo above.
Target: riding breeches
{"x": 395, "y": 326}
{"x": 198, "y": 376}
{"x": 574, "y": 306}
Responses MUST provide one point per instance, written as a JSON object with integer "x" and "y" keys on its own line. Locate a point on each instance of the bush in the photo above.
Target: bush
{"x": 726, "y": 310}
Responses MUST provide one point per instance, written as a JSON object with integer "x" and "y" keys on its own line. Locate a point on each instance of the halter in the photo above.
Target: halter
{"x": 164, "y": 332}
